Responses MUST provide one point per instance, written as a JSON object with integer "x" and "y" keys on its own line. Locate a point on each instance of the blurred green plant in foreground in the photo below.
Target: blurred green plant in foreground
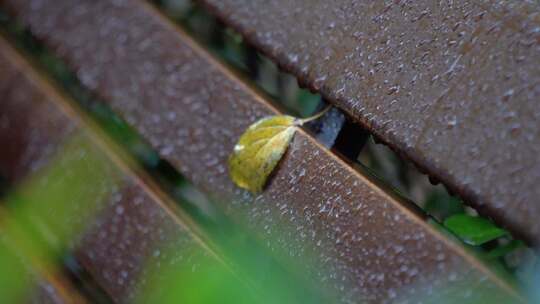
{"x": 45, "y": 216}
{"x": 42, "y": 219}
{"x": 47, "y": 213}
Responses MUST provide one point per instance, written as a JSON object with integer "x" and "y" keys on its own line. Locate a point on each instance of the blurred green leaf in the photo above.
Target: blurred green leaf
{"x": 12, "y": 280}
{"x": 505, "y": 249}
{"x": 441, "y": 205}
{"x": 58, "y": 201}
{"x": 201, "y": 280}
{"x": 473, "y": 230}
{"x": 307, "y": 102}
{"x": 247, "y": 273}
{"x": 49, "y": 211}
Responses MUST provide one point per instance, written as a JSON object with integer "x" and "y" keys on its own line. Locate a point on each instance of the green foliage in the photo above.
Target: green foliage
{"x": 48, "y": 212}
{"x": 244, "y": 272}
{"x": 505, "y": 249}
{"x": 307, "y": 102}
{"x": 200, "y": 280}
{"x": 441, "y": 205}
{"x": 13, "y": 281}
{"x": 473, "y": 230}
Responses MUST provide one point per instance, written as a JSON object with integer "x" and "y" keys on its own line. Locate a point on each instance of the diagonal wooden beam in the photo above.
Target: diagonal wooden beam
{"x": 118, "y": 247}
{"x": 367, "y": 243}
{"x": 453, "y": 86}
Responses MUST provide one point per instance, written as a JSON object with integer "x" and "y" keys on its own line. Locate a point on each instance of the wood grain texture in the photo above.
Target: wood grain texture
{"x": 452, "y": 85}
{"x": 367, "y": 244}
{"x": 134, "y": 232}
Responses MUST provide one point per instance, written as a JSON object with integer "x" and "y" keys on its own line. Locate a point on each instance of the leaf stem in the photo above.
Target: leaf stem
{"x": 314, "y": 117}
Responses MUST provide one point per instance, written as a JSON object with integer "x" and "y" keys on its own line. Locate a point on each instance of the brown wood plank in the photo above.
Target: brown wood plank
{"x": 369, "y": 245}
{"x": 454, "y": 86}
{"x": 123, "y": 243}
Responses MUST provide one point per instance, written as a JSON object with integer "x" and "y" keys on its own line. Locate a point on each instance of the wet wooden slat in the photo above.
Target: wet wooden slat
{"x": 124, "y": 241}
{"x": 30, "y": 140}
{"x": 454, "y": 86}
{"x": 364, "y": 242}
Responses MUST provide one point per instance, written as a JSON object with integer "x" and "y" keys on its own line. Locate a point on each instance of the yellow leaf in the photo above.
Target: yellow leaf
{"x": 259, "y": 150}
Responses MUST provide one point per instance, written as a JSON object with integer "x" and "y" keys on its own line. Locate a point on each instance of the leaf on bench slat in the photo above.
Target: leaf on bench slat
{"x": 259, "y": 150}
{"x": 261, "y": 147}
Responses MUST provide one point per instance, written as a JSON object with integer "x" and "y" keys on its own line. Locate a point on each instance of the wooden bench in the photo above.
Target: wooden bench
{"x": 452, "y": 86}
{"x": 437, "y": 95}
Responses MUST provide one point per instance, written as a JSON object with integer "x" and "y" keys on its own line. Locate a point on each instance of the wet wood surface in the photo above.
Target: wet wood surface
{"x": 454, "y": 86}
{"x": 366, "y": 243}
{"x": 134, "y": 232}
